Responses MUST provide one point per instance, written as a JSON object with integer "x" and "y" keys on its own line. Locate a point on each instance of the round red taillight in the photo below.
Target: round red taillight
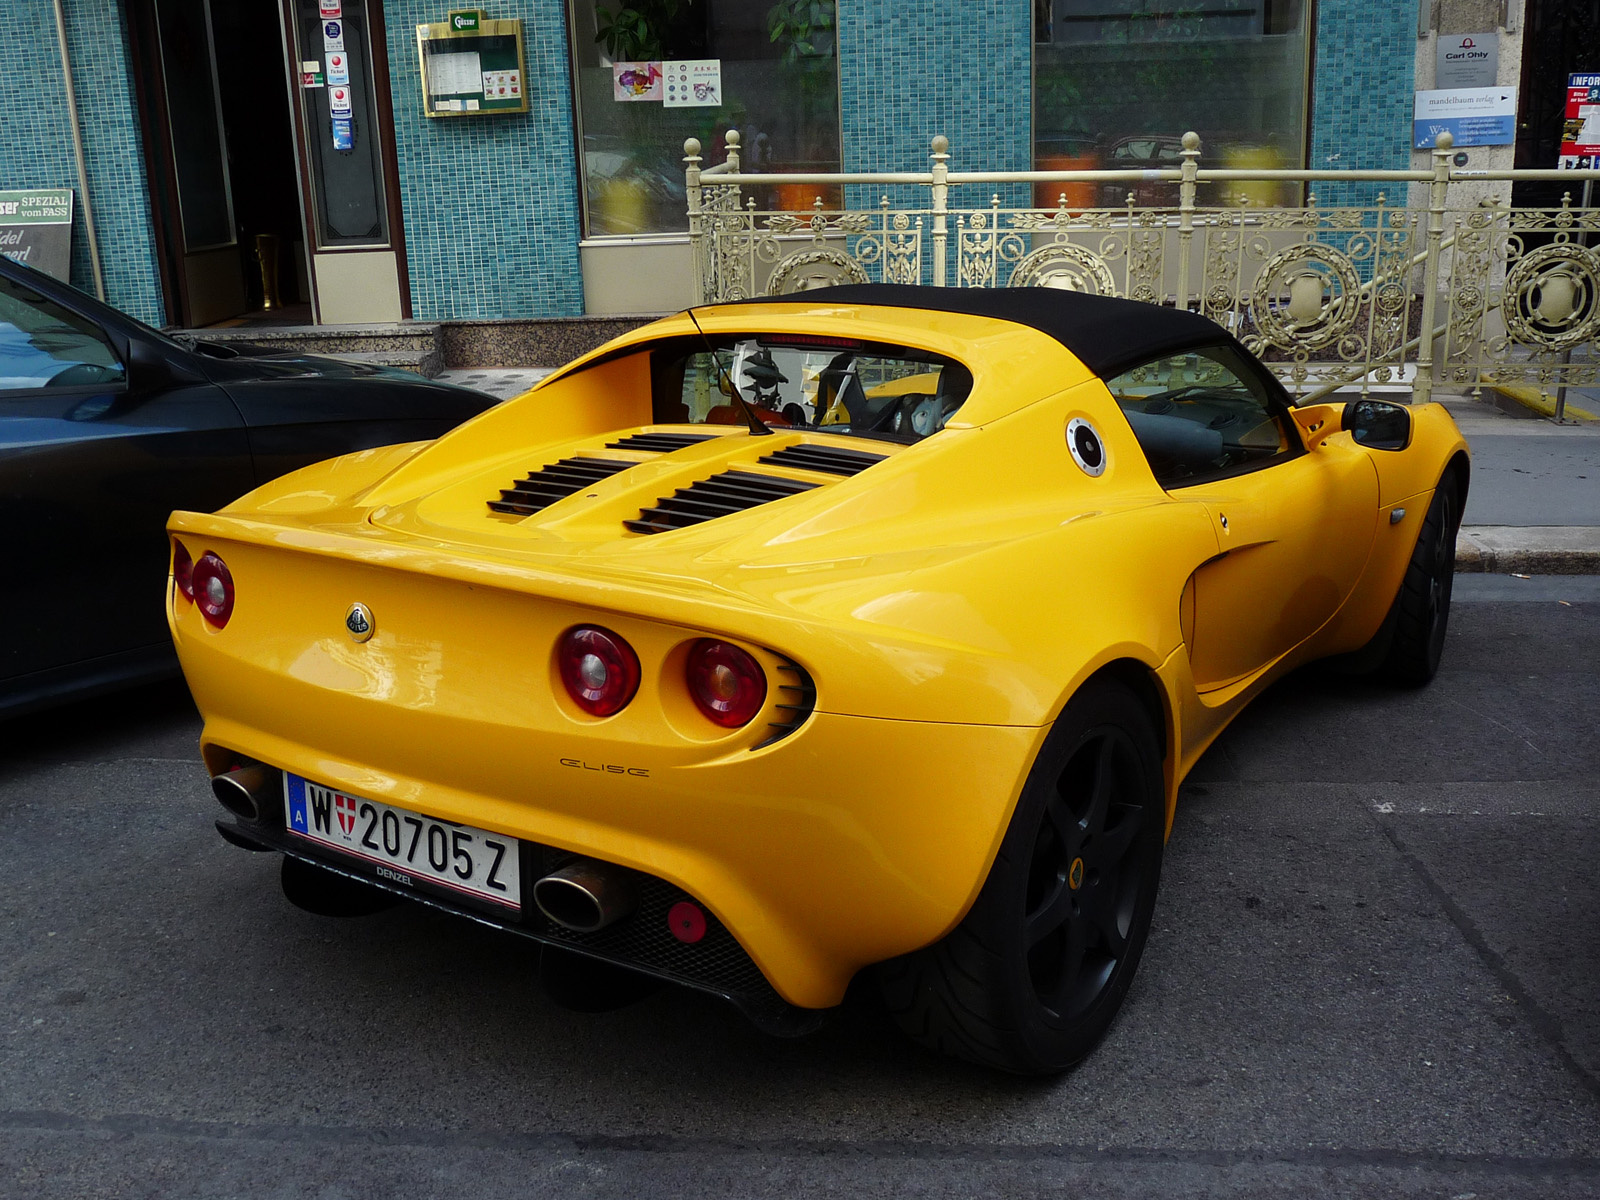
{"x": 212, "y": 584}
{"x": 727, "y": 684}
{"x": 182, "y": 570}
{"x": 601, "y": 670}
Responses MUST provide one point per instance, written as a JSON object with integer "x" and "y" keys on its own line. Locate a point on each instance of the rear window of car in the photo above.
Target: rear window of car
{"x": 891, "y": 393}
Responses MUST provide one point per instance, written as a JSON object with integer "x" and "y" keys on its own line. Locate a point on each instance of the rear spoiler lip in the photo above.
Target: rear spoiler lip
{"x": 692, "y": 602}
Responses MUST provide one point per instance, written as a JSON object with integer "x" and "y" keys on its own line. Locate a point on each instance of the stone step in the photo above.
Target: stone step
{"x": 414, "y": 345}
{"x": 410, "y": 360}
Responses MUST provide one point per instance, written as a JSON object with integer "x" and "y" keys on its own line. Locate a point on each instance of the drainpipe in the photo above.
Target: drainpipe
{"x": 77, "y": 148}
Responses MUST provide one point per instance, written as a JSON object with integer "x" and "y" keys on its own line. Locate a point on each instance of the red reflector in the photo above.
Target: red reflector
{"x": 687, "y": 922}
{"x": 601, "y": 670}
{"x": 213, "y": 589}
{"x": 727, "y": 684}
{"x": 182, "y": 570}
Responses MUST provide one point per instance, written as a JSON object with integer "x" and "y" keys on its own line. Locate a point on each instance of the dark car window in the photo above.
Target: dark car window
{"x": 43, "y": 344}
{"x": 892, "y": 393}
{"x": 1201, "y": 415}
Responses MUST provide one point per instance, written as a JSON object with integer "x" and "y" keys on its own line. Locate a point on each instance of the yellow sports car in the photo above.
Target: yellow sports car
{"x": 779, "y": 640}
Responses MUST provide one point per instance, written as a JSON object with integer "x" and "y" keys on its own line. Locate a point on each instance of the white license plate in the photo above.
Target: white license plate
{"x": 407, "y": 847}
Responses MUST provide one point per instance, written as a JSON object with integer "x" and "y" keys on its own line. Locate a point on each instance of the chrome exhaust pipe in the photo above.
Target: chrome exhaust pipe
{"x": 245, "y": 790}
{"x": 586, "y": 895}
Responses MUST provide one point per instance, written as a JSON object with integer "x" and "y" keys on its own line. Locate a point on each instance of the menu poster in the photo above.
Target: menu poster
{"x": 692, "y": 83}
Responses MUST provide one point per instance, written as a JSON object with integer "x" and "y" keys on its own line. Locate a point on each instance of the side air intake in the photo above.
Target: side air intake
{"x": 797, "y": 701}
{"x": 719, "y": 496}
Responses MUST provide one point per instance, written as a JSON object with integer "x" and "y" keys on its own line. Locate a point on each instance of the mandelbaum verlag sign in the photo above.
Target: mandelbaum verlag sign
{"x": 1473, "y": 116}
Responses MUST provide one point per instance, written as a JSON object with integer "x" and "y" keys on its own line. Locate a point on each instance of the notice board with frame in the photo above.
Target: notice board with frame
{"x": 472, "y": 65}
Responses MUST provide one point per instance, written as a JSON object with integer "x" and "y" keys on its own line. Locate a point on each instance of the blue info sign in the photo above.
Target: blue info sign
{"x": 1473, "y": 116}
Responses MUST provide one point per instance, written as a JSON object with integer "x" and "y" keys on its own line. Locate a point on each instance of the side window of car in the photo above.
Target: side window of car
{"x": 43, "y": 344}
{"x": 1201, "y": 415}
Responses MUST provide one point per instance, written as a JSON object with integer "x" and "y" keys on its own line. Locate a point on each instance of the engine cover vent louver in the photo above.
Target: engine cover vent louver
{"x": 719, "y": 496}
{"x": 544, "y": 487}
{"x": 799, "y": 701}
{"x": 661, "y": 443}
{"x": 833, "y": 459}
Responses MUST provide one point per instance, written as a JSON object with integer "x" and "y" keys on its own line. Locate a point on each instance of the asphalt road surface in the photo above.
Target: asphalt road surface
{"x": 1373, "y": 973}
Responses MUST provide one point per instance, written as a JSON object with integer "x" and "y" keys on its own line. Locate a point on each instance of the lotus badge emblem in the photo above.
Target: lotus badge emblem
{"x": 359, "y": 621}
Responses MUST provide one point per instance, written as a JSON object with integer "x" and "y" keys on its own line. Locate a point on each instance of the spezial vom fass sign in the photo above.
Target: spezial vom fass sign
{"x": 36, "y": 229}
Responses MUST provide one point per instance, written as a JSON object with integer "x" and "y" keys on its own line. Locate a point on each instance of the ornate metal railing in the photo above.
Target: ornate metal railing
{"x": 1331, "y": 295}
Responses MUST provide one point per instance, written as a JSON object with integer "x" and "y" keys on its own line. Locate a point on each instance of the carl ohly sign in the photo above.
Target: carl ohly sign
{"x": 1466, "y": 60}
{"x": 36, "y": 228}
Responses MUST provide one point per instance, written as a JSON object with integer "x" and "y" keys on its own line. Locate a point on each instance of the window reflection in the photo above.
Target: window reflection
{"x": 779, "y": 87}
{"x": 1117, "y": 83}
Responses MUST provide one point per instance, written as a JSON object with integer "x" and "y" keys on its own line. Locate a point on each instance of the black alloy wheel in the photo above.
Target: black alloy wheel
{"x": 1084, "y": 876}
{"x": 1032, "y": 977}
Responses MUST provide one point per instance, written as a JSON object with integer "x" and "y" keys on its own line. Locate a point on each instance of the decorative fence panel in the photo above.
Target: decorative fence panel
{"x": 1329, "y": 296}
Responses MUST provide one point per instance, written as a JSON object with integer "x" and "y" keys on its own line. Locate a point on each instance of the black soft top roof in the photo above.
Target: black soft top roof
{"x": 1107, "y": 335}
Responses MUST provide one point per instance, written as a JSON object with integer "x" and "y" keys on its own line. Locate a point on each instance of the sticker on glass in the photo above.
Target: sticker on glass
{"x": 633, "y": 80}
{"x": 692, "y": 83}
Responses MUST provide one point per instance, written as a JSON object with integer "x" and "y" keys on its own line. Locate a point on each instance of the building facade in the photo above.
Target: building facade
{"x": 361, "y": 163}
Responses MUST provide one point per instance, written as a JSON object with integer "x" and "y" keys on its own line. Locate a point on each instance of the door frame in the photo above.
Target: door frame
{"x": 387, "y": 155}
{"x": 144, "y": 49}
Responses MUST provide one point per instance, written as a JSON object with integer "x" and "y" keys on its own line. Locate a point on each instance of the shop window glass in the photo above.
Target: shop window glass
{"x": 778, "y": 74}
{"x": 1118, "y": 82}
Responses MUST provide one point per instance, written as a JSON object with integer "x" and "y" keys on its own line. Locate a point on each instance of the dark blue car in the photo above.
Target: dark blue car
{"x": 106, "y": 426}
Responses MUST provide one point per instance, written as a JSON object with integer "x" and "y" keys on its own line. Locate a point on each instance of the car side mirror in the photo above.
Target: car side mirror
{"x": 152, "y": 368}
{"x": 1317, "y": 421}
{"x": 1378, "y": 424}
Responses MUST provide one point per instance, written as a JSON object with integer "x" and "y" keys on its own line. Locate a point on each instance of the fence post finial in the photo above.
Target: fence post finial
{"x": 940, "y": 188}
{"x": 697, "y": 246}
{"x": 1186, "y": 186}
{"x": 1444, "y": 144}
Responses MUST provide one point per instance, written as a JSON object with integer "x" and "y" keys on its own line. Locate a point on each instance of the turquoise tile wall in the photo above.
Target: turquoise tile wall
{"x": 36, "y": 139}
{"x": 490, "y": 203}
{"x": 1362, "y": 80}
{"x": 963, "y": 68}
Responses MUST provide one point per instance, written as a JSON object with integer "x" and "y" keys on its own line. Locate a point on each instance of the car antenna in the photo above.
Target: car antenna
{"x": 758, "y": 427}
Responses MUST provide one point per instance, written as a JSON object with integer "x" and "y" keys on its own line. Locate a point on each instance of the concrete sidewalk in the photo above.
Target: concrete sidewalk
{"x": 1534, "y": 504}
{"x": 1533, "y": 508}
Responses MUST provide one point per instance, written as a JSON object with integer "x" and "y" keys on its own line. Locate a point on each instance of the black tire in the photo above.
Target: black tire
{"x": 1032, "y": 977}
{"x": 1422, "y": 607}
